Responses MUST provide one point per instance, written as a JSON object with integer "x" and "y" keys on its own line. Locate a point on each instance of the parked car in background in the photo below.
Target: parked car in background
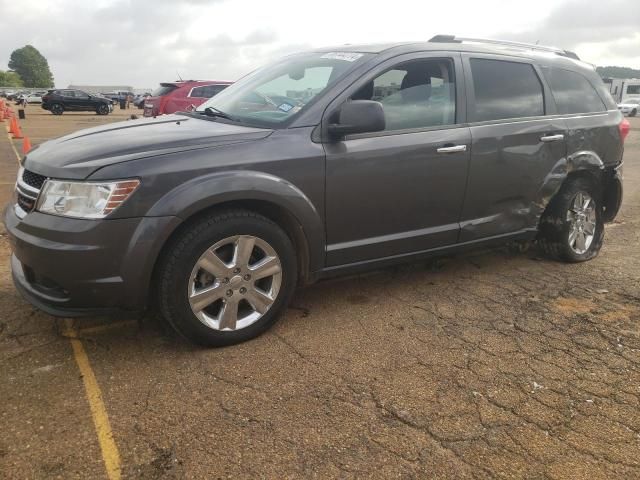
{"x": 59, "y": 101}
{"x": 178, "y": 96}
{"x": 369, "y": 155}
{"x": 115, "y": 97}
{"x": 138, "y": 100}
{"x": 34, "y": 97}
{"x": 630, "y": 106}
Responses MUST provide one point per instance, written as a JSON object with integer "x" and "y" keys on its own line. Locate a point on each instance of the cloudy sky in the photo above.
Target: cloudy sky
{"x": 144, "y": 42}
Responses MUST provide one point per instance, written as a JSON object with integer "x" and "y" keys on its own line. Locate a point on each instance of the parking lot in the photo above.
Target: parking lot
{"x": 489, "y": 364}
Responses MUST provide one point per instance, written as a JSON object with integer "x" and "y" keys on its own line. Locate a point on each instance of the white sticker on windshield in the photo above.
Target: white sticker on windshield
{"x": 346, "y": 56}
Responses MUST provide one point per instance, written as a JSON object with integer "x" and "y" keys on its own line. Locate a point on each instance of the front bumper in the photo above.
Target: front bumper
{"x": 73, "y": 267}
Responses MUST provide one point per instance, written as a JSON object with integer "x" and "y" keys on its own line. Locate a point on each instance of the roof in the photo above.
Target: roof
{"x": 457, "y": 44}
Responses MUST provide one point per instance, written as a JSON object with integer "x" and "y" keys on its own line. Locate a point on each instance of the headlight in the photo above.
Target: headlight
{"x": 84, "y": 199}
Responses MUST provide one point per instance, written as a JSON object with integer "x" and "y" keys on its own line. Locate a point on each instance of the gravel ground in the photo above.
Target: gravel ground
{"x": 488, "y": 364}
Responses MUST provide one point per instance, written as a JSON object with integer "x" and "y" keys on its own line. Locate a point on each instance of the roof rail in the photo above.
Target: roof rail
{"x": 526, "y": 46}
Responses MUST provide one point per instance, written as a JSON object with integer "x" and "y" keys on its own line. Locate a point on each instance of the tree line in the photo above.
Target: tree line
{"x": 27, "y": 68}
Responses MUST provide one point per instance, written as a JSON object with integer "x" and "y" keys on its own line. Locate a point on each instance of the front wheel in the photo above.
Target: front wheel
{"x": 633, "y": 113}
{"x": 572, "y": 228}
{"x": 102, "y": 109}
{"x": 226, "y": 278}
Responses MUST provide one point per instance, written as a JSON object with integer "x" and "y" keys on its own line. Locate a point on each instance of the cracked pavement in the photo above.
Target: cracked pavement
{"x": 482, "y": 365}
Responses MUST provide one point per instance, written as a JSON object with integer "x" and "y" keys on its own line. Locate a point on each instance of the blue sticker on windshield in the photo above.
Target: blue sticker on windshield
{"x": 285, "y": 107}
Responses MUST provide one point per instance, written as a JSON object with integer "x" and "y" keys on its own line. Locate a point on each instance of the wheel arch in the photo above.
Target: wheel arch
{"x": 584, "y": 163}
{"x": 272, "y": 197}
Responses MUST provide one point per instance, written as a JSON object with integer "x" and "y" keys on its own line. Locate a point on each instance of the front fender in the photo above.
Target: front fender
{"x": 210, "y": 190}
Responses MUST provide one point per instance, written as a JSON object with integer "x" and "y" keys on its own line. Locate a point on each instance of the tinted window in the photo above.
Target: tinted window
{"x": 572, "y": 92}
{"x": 505, "y": 90}
{"x": 163, "y": 90}
{"x": 633, "y": 89}
{"x": 416, "y": 94}
{"x": 207, "y": 91}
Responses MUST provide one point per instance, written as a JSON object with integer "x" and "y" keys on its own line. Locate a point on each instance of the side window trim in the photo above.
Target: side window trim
{"x": 385, "y": 65}
{"x": 549, "y": 104}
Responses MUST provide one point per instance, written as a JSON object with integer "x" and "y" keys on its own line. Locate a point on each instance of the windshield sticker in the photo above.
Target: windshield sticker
{"x": 285, "y": 107}
{"x": 346, "y": 56}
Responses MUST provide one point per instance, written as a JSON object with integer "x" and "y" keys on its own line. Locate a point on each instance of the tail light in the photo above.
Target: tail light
{"x": 624, "y": 127}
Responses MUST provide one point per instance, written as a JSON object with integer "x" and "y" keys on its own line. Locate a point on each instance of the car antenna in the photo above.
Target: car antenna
{"x": 179, "y": 76}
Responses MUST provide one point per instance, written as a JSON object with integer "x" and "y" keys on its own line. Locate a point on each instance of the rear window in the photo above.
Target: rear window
{"x": 572, "y": 92}
{"x": 505, "y": 90}
{"x": 207, "y": 91}
{"x": 163, "y": 90}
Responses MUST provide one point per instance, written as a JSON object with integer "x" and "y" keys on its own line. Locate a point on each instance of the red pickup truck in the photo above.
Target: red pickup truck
{"x": 183, "y": 96}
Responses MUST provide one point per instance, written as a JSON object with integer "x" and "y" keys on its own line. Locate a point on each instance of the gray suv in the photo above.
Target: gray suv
{"x": 324, "y": 163}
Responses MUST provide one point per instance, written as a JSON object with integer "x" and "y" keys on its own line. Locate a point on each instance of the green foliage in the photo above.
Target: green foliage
{"x": 10, "y": 79}
{"x": 32, "y": 67}
{"x": 618, "y": 72}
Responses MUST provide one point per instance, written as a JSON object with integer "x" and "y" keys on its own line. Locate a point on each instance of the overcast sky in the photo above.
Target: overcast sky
{"x": 143, "y": 42}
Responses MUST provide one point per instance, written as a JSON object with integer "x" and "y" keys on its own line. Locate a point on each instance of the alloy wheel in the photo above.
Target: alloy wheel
{"x": 582, "y": 223}
{"x": 235, "y": 282}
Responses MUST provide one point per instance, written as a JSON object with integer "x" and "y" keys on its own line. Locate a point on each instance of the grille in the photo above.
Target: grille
{"x": 33, "y": 179}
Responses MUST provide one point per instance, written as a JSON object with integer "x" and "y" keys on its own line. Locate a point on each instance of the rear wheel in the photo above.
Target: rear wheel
{"x": 57, "y": 109}
{"x": 572, "y": 228}
{"x": 633, "y": 113}
{"x": 103, "y": 109}
{"x": 226, "y": 278}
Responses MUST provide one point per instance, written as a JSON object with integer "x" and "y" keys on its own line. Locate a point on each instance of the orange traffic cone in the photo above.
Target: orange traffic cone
{"x": 1, "y": 114}
{"x": 26, "y": 145}
{"x": 17, "y": 133}
{"x": 12, "y": 125}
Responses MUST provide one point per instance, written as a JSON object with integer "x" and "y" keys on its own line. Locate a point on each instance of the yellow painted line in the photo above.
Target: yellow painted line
{"x": 108, "y": 446}
{"x": 106, "y": 326}
{"x": 12, "y": 145}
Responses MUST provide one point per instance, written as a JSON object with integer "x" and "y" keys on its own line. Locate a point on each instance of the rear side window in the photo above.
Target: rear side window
{"x": 505, "y": 90}
{"x": 572, "y": 92}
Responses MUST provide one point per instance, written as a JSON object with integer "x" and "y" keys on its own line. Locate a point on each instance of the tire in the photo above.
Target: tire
{"x": 103, "y": 109}
{"x": 633, "y": 113}
{"x": 564, "y": 224}
{"x": 56, "y": 109}
{"x": 181, "y": 279}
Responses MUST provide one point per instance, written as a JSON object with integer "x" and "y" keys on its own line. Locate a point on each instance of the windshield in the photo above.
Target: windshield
{"x": 276, "y": 93}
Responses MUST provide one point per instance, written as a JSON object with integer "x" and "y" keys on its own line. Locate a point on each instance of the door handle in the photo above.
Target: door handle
{"x": 552, "y": 138}
{"x": 452, "y": 149}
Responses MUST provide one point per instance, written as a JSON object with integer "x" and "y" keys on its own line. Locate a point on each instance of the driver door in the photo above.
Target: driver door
{"x": 401, "y": 190}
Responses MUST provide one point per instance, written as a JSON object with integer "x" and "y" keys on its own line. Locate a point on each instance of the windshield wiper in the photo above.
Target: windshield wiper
{"x": 214, "y": 112}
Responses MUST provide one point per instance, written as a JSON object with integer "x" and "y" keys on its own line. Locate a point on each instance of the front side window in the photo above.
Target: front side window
{"x": 505, "y": 90}
{"x": 274, "y": 94}
{"x": 414, "y": 94}
{"x": 572, "y": 92}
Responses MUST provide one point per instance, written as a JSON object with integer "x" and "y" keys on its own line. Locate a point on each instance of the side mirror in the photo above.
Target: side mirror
{"x": 358, "y": 116}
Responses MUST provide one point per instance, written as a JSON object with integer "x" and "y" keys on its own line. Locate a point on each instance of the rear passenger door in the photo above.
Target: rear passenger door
{"x": 69, "y": 100}
{"x": 515, "y": 145}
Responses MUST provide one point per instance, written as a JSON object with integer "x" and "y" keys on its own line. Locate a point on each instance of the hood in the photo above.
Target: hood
{"x": 78, "y": 155}
{"x": 628, "y": 105}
